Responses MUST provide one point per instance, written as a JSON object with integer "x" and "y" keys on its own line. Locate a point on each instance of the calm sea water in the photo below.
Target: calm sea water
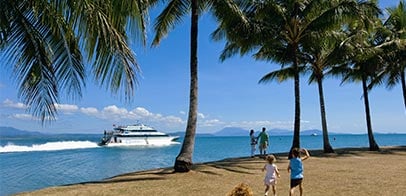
{"x": 28, "y": 164}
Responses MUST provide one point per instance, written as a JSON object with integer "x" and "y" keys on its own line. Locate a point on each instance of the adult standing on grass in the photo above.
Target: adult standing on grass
{"x": 296, "y": 169}
{"x": 253, "y": 142}
{"x": 263, "y": 142}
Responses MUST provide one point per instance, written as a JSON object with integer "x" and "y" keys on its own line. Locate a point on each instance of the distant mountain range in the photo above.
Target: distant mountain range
{"x": 13, "y": 132}
{"x": 227, "y": 131}
{"x": 237, "y": 131}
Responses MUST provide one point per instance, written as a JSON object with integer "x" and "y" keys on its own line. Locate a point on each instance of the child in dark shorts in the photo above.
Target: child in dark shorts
{"x": 296, "y": 169}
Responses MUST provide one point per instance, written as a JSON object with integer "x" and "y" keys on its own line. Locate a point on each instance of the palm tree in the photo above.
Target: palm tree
{"x": 277, "y": 32}
{"x": 393, "y": 41}
{"x": 45, "y": 41}
{"x": 364, "y": 61}
{"x": 321, "y": 58}
{"x": 172, "y": 14}
{"x": 362, "y": 70}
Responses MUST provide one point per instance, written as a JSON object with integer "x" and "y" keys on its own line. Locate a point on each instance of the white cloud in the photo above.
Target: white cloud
{"x": 66, "y": 108}
{"x": 200, "y": 115}
{"x": 142, "y": 112}
{"x": 174, "y": 119}
{"x": 90, "y": 111}
{"x": 28, "y": 117}
{"x": 9, "y": 103}
{"x": 23, "y": 116}
{"x": 262, "y": 123}
{"x": 211, "y": 123}
{"x": 120, "y": 115}
{"x": 114, "y": 110}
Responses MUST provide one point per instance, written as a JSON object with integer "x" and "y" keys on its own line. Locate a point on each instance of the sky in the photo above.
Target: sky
{"x": 229, "y": 95}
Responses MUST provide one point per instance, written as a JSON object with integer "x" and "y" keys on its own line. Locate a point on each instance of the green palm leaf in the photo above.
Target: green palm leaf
{"x": 45, "y": 41}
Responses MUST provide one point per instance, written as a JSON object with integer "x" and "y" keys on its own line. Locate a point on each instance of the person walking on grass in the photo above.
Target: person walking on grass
{"x": 271, "y": 173}
{"x": 253, "y": 142}
{"x": 263, "y": 142}
{"x": 296, "y": 169}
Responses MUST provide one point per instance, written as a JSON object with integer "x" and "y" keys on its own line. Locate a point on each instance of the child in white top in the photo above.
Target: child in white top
{"x": 271, "y": 173}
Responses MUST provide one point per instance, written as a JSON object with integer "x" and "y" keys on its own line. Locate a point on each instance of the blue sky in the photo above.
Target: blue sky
{"x": 229, "y": 95}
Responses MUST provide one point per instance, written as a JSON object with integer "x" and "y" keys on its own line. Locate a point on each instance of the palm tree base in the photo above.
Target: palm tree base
{"x": 374, "y": 147}
{"x": 182, "y": 166}
{"x": 328, "y": 149}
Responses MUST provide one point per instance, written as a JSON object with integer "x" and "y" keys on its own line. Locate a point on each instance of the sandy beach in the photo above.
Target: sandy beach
{"x": 354, "y": 171}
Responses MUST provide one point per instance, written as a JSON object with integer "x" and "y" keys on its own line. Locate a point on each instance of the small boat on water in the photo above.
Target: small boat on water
{"x": 135, "y": 135}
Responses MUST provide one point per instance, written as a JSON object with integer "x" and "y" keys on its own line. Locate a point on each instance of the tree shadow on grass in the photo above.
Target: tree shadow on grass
{"x": 243, "y": 165}
{"x": 135, "y": 179}
{"x": 157, "y": 174}
{"x": 360, "y": 152}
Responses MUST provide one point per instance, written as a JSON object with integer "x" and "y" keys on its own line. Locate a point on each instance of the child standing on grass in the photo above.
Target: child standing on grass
{"x": 271, "y": 173}
{"x": 296, "y": 169}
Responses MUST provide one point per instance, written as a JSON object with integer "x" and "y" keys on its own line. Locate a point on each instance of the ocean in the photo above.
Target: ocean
{"x": 31, "y": 163}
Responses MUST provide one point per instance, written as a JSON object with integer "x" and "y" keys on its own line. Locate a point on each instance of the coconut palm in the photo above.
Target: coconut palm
{"x": 278, "y": 30}
{"x": 44, "y": 42}
{"x": 364, "y": 60}
{"x": 393, "y": 41}
{"x": 172, "y": 14}
{"x": 321, "y": 57}
{"x": 362, "y": 69}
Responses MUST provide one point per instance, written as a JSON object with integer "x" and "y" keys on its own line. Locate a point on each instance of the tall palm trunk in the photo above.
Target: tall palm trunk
{"x": 326, "y": 143}
{"x": 403, "y": 80}
{"x": 373, "y": 146}
{"x": 183, "y": 161}
{"x": 294, "y": 28}
{"x": 296, "y": 128}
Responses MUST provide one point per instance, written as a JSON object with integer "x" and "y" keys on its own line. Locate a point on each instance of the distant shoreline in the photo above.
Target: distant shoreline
{"x": 235, "y": 132}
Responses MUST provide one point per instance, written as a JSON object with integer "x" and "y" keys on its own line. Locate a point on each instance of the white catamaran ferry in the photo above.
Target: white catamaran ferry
{"x": 133, "y": 135}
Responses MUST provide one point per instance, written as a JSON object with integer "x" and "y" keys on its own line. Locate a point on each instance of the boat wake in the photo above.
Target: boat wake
{"x": 49, "y": 146}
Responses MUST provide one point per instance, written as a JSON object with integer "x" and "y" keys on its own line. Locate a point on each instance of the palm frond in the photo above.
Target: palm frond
{"x": 169, "y": 17}
{"x": 44, "y": 40}
{"x": 279, "y": 75}
{"x": 282, "y": 75}
{"x": 114, "y": 63}
{"x": 66, "y": 55}
{"x": 33, "y": 63}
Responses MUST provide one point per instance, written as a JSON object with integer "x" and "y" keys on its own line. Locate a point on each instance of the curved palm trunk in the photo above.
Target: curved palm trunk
{"x": 326, "y": 143}
{"x": 373, "y": 146}
{"x": 402, "y": 78}
{"x": 183, "y": 161}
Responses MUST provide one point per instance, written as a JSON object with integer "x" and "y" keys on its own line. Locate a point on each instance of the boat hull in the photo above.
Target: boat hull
{"x": 140, "y": 141}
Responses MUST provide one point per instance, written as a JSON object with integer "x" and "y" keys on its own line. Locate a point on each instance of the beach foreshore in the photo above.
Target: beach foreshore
{"x": 349, "y": 171}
